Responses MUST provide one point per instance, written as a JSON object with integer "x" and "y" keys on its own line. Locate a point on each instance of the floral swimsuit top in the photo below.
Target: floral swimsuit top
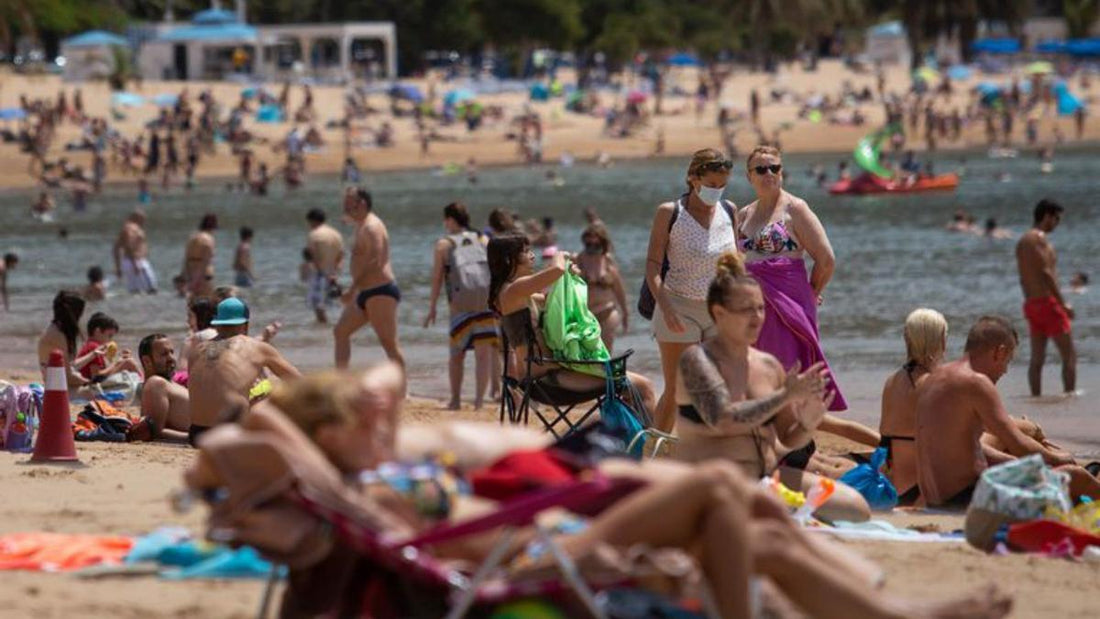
{"x": 772, "y": 240}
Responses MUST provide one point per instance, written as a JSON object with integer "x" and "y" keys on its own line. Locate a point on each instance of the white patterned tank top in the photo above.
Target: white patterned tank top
{"x": 693, "y": 252}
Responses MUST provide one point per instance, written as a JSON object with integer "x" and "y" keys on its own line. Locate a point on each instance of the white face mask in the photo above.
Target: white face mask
{"x": 710, "y": 195}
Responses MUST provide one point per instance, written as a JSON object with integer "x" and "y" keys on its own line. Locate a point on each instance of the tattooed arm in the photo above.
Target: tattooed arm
{"x": 711, "y": 397}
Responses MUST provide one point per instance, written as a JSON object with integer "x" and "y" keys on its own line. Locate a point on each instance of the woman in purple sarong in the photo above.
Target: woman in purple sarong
{"x": 775, "y": 233}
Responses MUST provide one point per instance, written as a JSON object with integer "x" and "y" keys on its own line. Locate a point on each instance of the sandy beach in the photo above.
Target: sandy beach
{"x": 123, "y": 489}
{"x": 565, "y": 132}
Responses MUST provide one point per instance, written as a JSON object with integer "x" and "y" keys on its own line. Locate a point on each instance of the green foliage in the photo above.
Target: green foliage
{"x": 1080, "y": 15}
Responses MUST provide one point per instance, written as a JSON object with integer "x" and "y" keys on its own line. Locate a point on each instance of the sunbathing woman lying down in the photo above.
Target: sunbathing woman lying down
{"x": 339, "y": 424}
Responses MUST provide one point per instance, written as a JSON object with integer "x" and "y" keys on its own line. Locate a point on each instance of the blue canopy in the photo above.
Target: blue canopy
{"x": 996, "y": 46}
{"x": 683, "y": 59}
{"x": 214, "y": 16}
{"x": 1051, "y": 47}
{"x": 95, "y": 38}
{"x": 1083, "y": 47}
{"x": 12, "y": 113}
{"x": 234, "y": 32}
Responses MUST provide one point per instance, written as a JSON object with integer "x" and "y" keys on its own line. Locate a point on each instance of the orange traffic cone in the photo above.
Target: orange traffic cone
{"x": 55, "y": 431}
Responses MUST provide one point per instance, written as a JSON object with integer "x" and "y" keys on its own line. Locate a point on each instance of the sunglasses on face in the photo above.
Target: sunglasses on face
{"x": 773, "y": 168}
{"x": 724, "y": 165}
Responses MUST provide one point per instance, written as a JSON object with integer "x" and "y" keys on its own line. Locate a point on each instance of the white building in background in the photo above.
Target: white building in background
{"x": 217, "y": 45}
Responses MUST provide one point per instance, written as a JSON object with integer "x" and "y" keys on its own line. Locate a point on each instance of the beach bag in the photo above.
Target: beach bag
{"x": 621, "y": 422}
{"x": 19, "y": 410}
{"x": 467, "y": 273}
{"x": 868, "y": 480}
{"x": 647, "y": 303}
{"x": 1015, "y": 491}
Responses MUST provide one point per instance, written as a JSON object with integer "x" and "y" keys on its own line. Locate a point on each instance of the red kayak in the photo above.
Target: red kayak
{"x": 869, "y": 183}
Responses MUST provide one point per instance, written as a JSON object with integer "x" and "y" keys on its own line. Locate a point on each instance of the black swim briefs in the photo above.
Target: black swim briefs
{"x": 389, "y": 290}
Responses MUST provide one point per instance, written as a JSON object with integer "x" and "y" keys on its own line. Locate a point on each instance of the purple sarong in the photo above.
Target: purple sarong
{"x": 790, "y": 317}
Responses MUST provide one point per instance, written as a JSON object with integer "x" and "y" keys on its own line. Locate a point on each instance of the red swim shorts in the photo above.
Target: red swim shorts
{"x": 1046, "y": 317}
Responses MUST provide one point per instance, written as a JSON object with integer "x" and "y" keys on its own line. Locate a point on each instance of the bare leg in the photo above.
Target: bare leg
{"x": 351, "y": 320}
{"x": 827, "y": 593}
{"x": 495, "y": 370}
{"x": 1035, "y": 367}
{"x": 1081, "y": 482}
{"x": 609, "y": 326}
{"x": 1064, "y": 343}
{"x": 382, "y": 311}
{"x": 696, "y": 511}
{"x": 454, "y": 373}
{"x": 664, "y": 414}
{"x": 322, "y": 317}
{"x": 483, "y": 362}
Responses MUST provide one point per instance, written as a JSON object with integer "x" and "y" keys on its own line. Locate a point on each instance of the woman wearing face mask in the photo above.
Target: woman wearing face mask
{"x": 692, "y": 233}
{"x": 606, "y": 295}
{"x": 775, "y": 233}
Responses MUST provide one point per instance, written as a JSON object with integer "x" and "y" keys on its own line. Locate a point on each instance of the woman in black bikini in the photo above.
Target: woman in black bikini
{"x": 516, "y": 294}
{"x": 606, "y": 294}
{"x": 925, "y": 343}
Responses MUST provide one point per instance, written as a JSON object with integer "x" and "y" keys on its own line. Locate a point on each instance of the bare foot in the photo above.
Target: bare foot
{"x": 986, "y": 603}
{"x": 454, "y": 405}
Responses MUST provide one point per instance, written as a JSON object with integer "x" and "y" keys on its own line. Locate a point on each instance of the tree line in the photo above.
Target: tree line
{"x": 617, "y": 30}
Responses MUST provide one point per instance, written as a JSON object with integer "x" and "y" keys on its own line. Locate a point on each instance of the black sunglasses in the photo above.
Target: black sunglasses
{"x": 774, "y": 168}
{"x": 724, "y": 165}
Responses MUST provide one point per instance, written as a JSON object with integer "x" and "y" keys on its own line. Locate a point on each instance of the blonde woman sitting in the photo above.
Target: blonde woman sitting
{"x": 738, "y": 403}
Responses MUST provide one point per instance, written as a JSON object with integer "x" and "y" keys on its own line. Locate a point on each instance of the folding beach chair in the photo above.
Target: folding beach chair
{"x": 292, "y": 510}
{"x": 556, "y": 406}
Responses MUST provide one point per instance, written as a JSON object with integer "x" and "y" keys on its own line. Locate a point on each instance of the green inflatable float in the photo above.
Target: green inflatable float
{"x": 867, "y": 151}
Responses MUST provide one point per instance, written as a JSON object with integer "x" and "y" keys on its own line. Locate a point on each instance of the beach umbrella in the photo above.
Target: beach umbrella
{"x": 1041, "y": 67}
{"x": 12, "y": 113}
{"x": 683, "y": 59}
{"x": 959, "y": 72}
{"x": 166, "y": 99}
{"x": 126, "y": 99}
{"x": 270, "y": 113}
{"x": 926, "y": 74}
{"x": 457, "y": 96}
{"x": 407, "y": 92}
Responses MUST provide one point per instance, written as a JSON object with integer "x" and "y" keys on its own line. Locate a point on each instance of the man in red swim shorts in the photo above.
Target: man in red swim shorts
{"x": 1048, "y": 315}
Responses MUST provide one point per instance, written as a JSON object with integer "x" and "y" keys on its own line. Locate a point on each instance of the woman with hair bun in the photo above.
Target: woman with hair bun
{"x": 775, "y": 233}
{"x": 738, "y": 403}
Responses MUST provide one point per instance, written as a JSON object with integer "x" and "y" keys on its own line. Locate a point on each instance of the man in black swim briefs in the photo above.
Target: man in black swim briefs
{"x": 373, "y": 295}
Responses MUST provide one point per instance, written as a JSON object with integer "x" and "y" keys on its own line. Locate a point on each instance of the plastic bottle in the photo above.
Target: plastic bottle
{"x": 815, "y": 498}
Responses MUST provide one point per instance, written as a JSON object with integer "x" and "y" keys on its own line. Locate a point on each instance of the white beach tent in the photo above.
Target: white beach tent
{"x": 887, "y": 43}
{"x": 91, "y": 55}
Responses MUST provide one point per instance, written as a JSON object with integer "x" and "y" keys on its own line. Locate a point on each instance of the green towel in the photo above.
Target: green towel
{"x": 571, "y": 331}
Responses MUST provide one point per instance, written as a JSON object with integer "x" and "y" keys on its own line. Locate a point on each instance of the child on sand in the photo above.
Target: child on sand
{"x": 101, "y": 334}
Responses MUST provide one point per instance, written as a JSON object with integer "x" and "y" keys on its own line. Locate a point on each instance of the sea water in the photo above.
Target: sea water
{"x": 892, "y": 255}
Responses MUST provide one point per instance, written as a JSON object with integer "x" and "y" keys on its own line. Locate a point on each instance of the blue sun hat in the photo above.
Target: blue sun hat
{"x": 231, "y": 311}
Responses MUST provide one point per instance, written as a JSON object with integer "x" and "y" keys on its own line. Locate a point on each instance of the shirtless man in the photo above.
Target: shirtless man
{"x": 326, "y": 245}
{"x": 9, "y": 263}
{"x": 1047, "y": 312}
{"x": 165, "y": 405}
{"x": 198, "y": 258}
{"x": 224, "y": 369}
{"x": 131, "y": 254}
{"x": 957, "y": 402}
{"x": 373, "y": 294}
